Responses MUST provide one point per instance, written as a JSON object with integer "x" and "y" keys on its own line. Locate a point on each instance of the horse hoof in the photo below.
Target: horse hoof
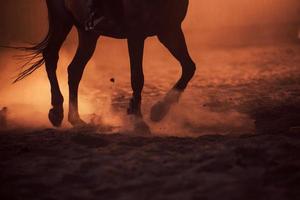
{"x": 141, "y": 127}
{"x": 77, "y": 122}
{"x": 134, "y": 112}
{"x": 159, "y": 111}
{"x": 56, "y": 116}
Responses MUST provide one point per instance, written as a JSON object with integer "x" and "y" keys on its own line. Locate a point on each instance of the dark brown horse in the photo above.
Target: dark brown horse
{"x": 136, "y": 20}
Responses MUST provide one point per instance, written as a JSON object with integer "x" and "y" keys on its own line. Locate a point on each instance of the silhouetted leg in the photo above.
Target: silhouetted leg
{"x": 136, "y": 50}
{"x": 174, "y": 41}
{"x": 50, "y": 54}
{"x": 86, "y": 48}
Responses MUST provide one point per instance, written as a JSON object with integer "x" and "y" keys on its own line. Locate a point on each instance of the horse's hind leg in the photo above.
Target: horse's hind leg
{"x": 50, "y": 54}
{"x": 175, "y": 42}
{"x": 85, "y": 50}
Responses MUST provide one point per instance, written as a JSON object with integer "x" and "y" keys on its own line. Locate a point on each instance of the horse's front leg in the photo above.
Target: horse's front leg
{"x": 136, "y": 51}
{"x": 85, "y": 50}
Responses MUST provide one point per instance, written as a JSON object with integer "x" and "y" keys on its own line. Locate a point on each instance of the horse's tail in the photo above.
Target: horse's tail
{"x": 33, "y": 55}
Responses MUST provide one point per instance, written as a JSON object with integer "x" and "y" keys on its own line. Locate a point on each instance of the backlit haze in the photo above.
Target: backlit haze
{"x": 247, "y": 53}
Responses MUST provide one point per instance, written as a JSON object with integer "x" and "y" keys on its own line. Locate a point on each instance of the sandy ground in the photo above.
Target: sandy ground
{"x": 241, "y": 89}
{"x": 233, "y": 135}
{"x": 83, "y": 164}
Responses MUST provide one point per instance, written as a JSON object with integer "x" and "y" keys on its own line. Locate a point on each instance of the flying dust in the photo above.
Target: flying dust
{"x": 246, "y": 52}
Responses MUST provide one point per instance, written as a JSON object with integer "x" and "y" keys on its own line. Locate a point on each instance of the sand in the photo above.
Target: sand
{"x": 233, "y": 136}
{"x": 85, "y": 164}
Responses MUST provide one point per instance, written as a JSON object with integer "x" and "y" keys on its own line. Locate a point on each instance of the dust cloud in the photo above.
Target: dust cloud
{"x": 244, "y": 50}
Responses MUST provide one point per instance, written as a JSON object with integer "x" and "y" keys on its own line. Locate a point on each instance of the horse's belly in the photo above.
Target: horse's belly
{"x": 79, "y": 9}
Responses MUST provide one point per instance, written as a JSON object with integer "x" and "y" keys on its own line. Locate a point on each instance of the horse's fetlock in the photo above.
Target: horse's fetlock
{"x": 190, "y": 69}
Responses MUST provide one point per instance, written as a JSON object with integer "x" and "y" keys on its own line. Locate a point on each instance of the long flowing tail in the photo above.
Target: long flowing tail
{"x": 33, "y": 55}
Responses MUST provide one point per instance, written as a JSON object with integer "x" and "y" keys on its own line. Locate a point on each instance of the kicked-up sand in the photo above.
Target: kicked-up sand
{"x": 234, "y": 134}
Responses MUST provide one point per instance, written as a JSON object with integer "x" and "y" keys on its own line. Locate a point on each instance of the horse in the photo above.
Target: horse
{"x": 138, "y": 20}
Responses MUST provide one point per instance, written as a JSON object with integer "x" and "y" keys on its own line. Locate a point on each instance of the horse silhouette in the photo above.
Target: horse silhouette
{"x": 135, "y": 21}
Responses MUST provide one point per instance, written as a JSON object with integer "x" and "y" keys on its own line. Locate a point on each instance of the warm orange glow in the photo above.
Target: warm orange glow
{"x": 208, "y": 24}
